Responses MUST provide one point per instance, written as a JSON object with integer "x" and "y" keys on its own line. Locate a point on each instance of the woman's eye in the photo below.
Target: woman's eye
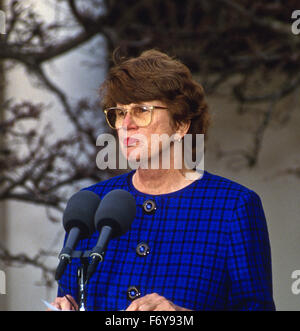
{"x": 120, "y": 113}
{"x": 140, "y": 110}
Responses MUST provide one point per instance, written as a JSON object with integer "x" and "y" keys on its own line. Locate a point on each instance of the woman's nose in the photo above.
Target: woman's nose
{"x": 128, "y": 121}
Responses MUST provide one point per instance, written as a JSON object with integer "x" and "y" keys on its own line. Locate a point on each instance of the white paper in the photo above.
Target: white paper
{"x": 49, "y": 306}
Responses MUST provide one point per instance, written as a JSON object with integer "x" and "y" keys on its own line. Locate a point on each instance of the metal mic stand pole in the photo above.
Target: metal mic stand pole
{"x": 81, "y": 277}
{"x": 81, "y": 284}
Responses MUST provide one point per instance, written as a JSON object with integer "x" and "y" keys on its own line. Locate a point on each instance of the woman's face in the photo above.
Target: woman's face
{"x": 136, "y": 141}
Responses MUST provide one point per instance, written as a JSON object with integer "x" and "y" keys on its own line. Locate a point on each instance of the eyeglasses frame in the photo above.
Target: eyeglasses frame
{"x": 151, "y": 108}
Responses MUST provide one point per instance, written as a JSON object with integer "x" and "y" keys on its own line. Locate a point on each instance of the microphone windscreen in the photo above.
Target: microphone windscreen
{"x": 80, "y": 212}
{"x": 117, "y": 210}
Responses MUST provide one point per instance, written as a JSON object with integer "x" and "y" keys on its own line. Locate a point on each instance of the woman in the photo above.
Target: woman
{"x": 197, "y": 243}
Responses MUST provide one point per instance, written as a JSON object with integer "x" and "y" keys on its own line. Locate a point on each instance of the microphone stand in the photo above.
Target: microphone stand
{"x": 81, "y": 276}
{"x": 82, "y": 273}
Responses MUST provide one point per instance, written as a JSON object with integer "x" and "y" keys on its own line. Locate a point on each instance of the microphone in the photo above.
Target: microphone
{"x": 113, "y": 218}
{"x": 78, "y": 221}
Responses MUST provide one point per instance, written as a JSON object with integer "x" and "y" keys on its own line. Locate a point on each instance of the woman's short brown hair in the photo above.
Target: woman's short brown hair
{"x": 156, "y": 76}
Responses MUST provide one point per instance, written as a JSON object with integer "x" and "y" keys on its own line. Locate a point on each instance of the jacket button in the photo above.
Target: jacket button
{"x": 133, "y": 292}
{"x": 142, "y": 249}
{"x": 149, "y": 206}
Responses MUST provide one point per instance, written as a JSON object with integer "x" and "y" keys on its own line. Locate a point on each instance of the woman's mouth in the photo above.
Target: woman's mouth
{"x": 129, "y": 141}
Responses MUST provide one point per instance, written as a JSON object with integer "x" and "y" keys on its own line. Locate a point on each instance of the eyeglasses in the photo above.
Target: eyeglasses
{"x": 140, "y": 114}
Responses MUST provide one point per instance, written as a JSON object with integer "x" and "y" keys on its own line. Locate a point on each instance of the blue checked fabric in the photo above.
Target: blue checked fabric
{"x": 209, "y": 250}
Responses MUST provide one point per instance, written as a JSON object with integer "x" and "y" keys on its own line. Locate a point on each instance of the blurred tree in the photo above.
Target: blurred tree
{"x": 247, "y": 47}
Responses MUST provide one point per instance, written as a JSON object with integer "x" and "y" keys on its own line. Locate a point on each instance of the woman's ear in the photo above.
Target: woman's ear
{"x": 183, "y": 128}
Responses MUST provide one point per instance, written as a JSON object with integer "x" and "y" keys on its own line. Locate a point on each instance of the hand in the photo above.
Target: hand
{"x": 63, "y": 303}
{"x": 153, "y": 302}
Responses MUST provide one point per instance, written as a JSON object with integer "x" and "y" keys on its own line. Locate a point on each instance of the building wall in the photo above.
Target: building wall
{"x": 279, "y": 193}
{"x": 27, "y": 228}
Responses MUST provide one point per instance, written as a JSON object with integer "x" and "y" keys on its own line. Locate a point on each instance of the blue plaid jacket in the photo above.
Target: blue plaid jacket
{"x": 208, "y": 250}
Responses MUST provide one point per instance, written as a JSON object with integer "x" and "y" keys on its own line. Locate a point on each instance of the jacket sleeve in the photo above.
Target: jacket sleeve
{"x": 249, "y": 257}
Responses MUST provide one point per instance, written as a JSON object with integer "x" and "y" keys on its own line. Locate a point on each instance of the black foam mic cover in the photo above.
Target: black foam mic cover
{"x": 113, "y": 218}
{"x": 116, "y": 210}
{"x": 80, "y": 212}
{"x": 78, "y": 221}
